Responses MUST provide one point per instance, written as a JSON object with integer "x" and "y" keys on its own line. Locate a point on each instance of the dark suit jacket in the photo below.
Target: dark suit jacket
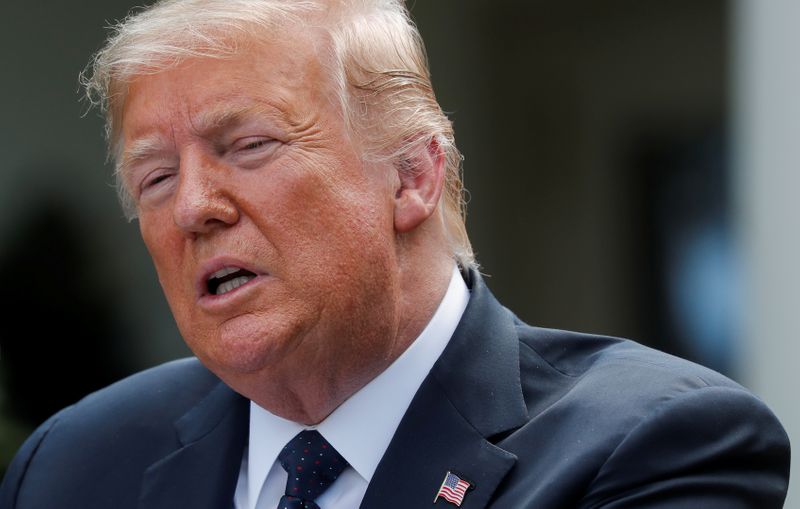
{"x": 533, "y": 418}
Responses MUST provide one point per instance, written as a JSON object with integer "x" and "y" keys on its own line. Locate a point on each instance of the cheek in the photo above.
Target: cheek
{"x": 165, "y": 248}
{"x": 153, "y": 234}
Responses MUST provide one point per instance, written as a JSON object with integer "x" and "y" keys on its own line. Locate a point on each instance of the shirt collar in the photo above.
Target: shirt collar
{"x": 382, "y": 402}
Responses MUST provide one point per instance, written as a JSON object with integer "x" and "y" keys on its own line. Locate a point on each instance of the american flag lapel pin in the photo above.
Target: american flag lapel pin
{"x": 453, "y": 489}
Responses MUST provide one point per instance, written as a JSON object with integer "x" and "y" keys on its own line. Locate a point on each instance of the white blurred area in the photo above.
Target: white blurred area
{"x": 766, "y": 145}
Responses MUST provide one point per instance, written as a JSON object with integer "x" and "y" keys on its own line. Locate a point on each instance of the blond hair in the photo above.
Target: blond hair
{"x": 378, "y": 63}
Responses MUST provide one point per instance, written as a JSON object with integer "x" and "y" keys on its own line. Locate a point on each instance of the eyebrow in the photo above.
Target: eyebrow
{"x": 222, "y": 118}
{"x": 226, "y": 118}
{"x": 140, "y": 150}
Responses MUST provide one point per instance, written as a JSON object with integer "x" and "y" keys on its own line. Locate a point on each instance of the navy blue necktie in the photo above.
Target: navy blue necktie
{"x": 312, "y": 464}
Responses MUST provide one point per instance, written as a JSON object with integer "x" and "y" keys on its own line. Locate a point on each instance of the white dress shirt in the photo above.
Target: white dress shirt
{"x": 360, "y": 429}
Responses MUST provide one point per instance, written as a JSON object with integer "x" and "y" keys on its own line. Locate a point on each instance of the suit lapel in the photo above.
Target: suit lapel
{"x": 202, "y": 473}
{"x": 472, "y": 393}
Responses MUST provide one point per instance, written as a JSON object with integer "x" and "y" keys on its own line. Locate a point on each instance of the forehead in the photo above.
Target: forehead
{"x": 283, "y": 75}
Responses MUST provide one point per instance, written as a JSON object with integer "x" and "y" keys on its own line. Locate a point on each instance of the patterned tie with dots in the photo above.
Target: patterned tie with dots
{"x": 312, "y": 465}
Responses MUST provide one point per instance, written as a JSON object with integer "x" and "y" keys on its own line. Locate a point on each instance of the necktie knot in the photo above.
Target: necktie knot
{"x": 312, "y": 465}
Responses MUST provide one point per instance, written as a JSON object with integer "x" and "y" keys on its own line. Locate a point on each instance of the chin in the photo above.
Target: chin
{"x": 240, "y": 359}
{"x": 244, "y": 346}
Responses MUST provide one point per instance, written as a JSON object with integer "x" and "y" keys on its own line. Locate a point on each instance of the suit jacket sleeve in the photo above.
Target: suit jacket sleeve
{"x": 715, "y": 447}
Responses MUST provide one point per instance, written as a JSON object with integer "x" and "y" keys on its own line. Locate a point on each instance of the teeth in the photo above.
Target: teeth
{"x": 224, "y": 272}
{"x": 228, "y": 279}
{"x": 233, "y": 284}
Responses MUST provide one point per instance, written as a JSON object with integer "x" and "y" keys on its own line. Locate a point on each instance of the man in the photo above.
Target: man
{"x": 297, "y": 186}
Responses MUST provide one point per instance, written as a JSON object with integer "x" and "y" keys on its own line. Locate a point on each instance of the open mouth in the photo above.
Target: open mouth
{"x": 228, "y": 279}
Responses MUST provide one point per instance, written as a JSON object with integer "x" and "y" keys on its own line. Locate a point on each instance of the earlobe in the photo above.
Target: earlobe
{"x": 421, "y": 180}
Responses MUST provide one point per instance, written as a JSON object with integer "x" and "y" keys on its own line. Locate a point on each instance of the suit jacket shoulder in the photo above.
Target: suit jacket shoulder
{"x": 96, "y": 453}
{"x": 635, "y": 427}
{"x": 540, "y": 418}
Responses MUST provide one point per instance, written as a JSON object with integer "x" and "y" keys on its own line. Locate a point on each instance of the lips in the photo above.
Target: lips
{"x": 228, "y": 279}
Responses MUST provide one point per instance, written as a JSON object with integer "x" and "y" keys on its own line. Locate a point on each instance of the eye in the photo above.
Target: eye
{"x": 255, "y": 144}
{"x": 253, "y": 151}
{"x": 155, "y": 180}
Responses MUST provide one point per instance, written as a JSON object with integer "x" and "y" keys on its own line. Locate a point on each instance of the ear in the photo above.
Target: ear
{"x": 420, "y": 186}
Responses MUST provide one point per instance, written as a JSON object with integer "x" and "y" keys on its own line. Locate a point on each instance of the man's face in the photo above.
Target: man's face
{"x": 273, "y": 241}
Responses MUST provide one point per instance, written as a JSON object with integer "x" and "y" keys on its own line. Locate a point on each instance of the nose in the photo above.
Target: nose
{"x": 202, "y": 201}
